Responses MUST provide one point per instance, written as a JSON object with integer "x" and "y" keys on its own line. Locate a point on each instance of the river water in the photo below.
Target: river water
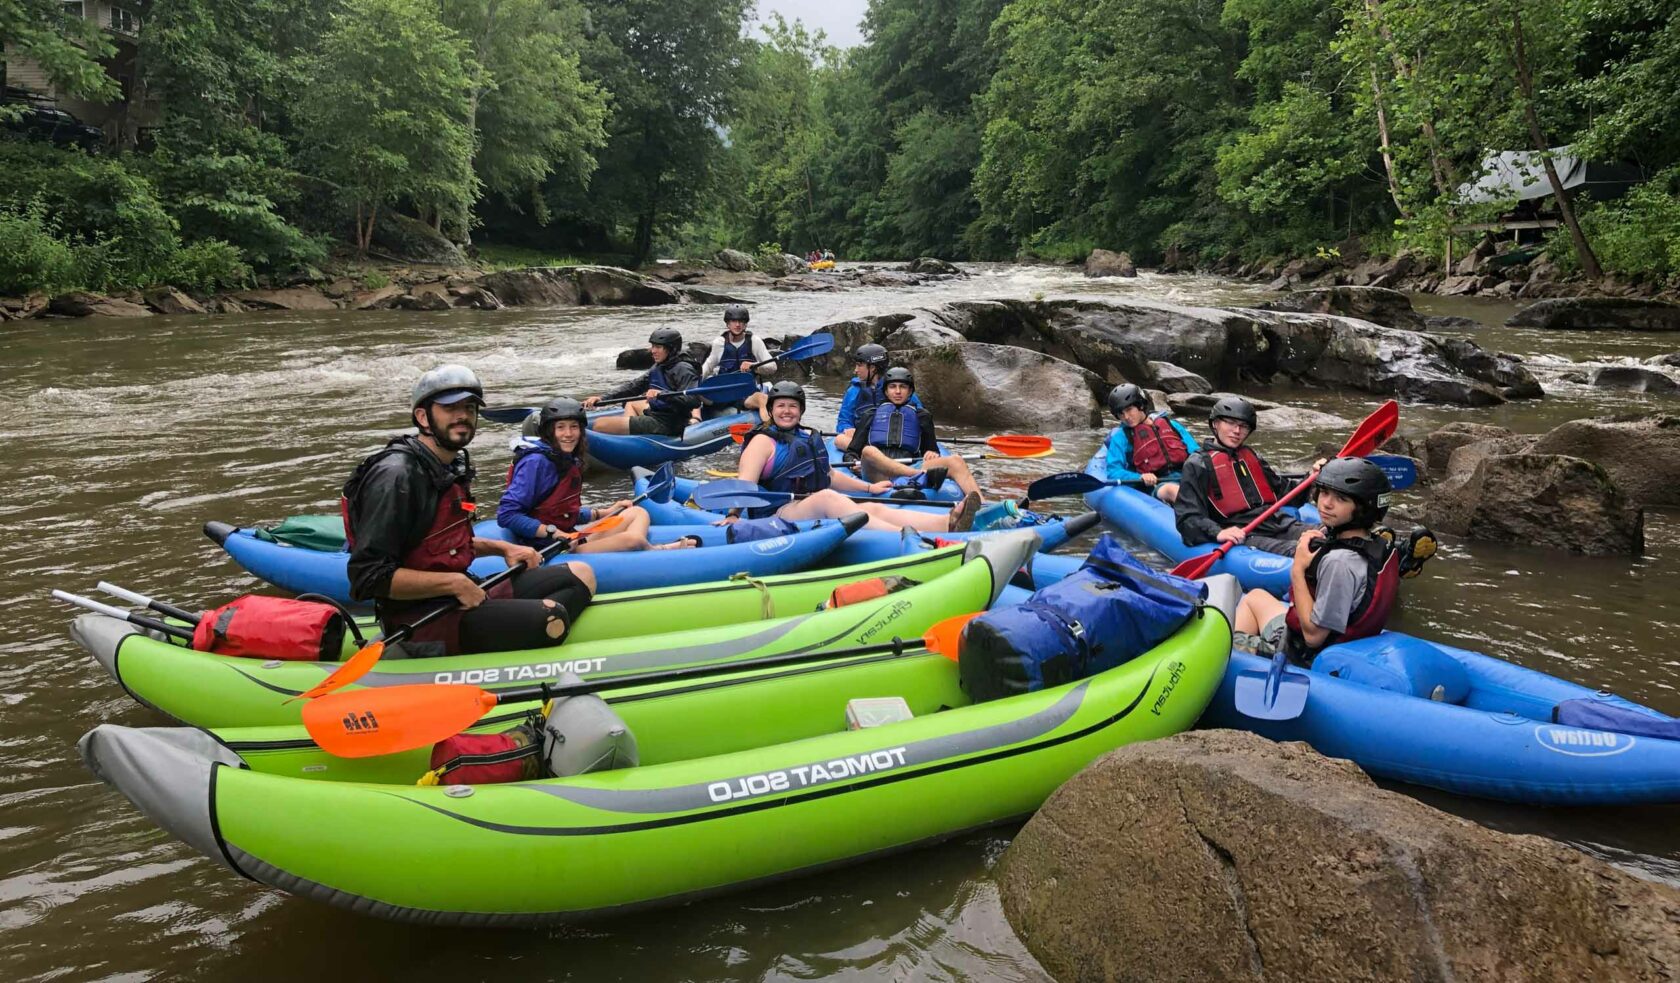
{"x": 124, "y": 437}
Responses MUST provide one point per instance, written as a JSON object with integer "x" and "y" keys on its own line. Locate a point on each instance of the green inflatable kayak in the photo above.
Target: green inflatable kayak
{"x": 736, "y": 784}
{"x": 720, "y": 621}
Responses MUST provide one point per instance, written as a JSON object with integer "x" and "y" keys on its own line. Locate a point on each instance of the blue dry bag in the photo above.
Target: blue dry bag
{"x": 1110, "y": 611}
{"x": 748, "y": 530}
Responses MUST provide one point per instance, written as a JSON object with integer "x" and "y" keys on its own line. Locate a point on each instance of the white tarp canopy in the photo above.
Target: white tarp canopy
{"x": 1520, "y": 175}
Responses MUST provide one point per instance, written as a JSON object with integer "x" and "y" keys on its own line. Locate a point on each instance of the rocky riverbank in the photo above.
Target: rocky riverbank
{"x": 431, "y": 288}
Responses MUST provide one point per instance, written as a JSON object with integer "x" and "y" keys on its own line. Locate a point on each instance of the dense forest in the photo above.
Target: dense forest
{"x": 284, "y": 131}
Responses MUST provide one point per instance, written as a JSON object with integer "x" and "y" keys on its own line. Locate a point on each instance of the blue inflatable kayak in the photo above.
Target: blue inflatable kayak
{"x": 1149, "y": 520}
{"x": 626, "y": 451}
{"x": 302, "y": 570}
{"x": 1411, "y": 710}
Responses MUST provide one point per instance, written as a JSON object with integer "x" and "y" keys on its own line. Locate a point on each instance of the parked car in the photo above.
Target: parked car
{"x": 38, "y": 122}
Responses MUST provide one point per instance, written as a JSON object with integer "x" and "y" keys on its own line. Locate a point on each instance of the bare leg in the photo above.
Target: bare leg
{"x": 611, "y": 424}
{"x": 877, "y": 466}
{"x": 1168, "y": 492}
{"x": 958, "y": 471}
{"x": 627, "y": 536}
{"x": 843, "y": 439}
{"x": 830, "y": 504}
{"x": 1257, "y": 608}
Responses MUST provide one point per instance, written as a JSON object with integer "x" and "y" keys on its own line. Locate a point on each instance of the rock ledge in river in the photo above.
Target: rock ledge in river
{"x": 1218, "y": 855}
{"x": 1598, "y": 314}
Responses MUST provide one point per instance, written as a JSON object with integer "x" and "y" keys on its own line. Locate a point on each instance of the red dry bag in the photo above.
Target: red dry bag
{"x": 257, "y": 627}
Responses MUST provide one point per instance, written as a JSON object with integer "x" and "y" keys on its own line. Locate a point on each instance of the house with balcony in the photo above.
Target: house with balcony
{"x": 122, "y": 119}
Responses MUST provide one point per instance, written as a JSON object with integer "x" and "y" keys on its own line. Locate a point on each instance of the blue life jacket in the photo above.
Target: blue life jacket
{"x": 1110, "y": 611}
{"x": 896, "y": 430}
{"x": 656, "y": 380}
{"x": 800, "y": 465}
{"x": 733, "y": 354}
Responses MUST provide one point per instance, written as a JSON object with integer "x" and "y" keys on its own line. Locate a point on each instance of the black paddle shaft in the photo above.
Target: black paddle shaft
{"x": 405, "y": 630}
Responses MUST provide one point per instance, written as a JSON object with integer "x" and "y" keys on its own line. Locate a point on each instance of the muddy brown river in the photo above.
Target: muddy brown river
{"x": 124, "y": 437}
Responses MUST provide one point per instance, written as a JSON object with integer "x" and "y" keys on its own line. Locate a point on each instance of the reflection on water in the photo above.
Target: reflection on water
{"x": 124, "y": 437}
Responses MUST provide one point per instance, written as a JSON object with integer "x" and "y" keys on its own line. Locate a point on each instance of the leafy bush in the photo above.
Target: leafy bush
{"x": 1637, "y": 235}
{"x": 32, "y": 257}
{"x": 209, "y": 265}
{"x": 375, "y": 280}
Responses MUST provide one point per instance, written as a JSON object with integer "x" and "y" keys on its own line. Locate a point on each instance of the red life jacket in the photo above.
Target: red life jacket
{"x": 1370, "y": 612}
{"x": 560, "y": 507}
{"x": 1156, "y": 447}
{"x": 1231, "y": 496}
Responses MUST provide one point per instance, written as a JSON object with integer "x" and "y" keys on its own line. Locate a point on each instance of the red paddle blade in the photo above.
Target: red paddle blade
{"x": 389, "y": 719}
{"x": 945, "y": 638}
{"x": 1197, "y": 566}
{"x": 1378, "y": 427}
{"x": 1020, "y": 445}
{"x": 738, "y": 431}
{"x": 353, "y": 669}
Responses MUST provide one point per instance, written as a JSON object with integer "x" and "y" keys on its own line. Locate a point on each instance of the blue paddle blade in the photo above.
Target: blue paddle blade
{"x": 1275, "y": 694}
{"x": 810, "y": 346}
{"x": 507, "y": 414}
{"x": 661, "y": 483}
{"x": 1064, "y": 483}
{"x": 729, "y": 387}
{"x": 734, "y": 493}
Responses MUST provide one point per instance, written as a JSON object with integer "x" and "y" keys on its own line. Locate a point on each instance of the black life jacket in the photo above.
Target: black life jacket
{"x": 1156, "y": 447}
{"x": 447, "y": 544}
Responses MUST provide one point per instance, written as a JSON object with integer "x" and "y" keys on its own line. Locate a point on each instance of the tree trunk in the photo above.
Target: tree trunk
{"x": 1387, "y": 147}
{"x": 1525, "y": 84}
{"x": 1440, "y": 168}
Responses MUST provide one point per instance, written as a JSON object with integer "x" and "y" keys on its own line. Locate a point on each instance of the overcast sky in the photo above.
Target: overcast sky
{"x": 838, "y": 18}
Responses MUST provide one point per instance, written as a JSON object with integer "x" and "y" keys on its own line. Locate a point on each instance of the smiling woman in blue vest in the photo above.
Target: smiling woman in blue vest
{"x": 1147, "y": 449}
{"x": 658, "y": 412}
{"x": 544, "y": 496}
{"x": 1226, "y": 485}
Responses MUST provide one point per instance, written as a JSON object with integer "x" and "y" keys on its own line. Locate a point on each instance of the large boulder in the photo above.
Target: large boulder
{"x": 286, "y": 299}
{"x": 1598, "y": 314}
{"x": 888, "y": 278}
{"x": 734, "y": 260}
{"x": 1103, "y": 262}
{"x": 543, "y": 286}
{"x": 1005, "y": 388}
{"x": 699, "y": 295}
{"x": 413, "y": 241}
{"x": 930, "y": 265}
{"x": 1439, "y": 446}
{"x": 923, "y": 330}
{"x": 1382, "y": 272}
{"x": 1219, "y": 855}
{"x": 79, "y": 304}
{"x": 1379, "y": 305}
{"x": 1641, "y": 453}
{"x": 1174, "y": 379}
{"x": 781, "y": 264}
{"x": 1634, "y": 378}
{"x": 376, "y": 299}
{"x": 609, "y": 286}
{"x": 1535, "y": 499}
{"x": 168, "y": 300}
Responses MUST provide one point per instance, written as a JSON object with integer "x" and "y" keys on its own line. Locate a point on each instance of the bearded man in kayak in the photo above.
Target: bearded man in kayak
{"x": 869, "y": 364}
{"x": 1345, "y": 578}
{"x": 736, "y": 350}
{"x": 660, "y": 412}
{"x": 1226, "y": 485}
{"x": 408, "y": 518}
{"x": 787, "y": 457}
{"x": 894, "y": 430}
{"x": 1146, "y": 449}
{"x": 544, "y": 496}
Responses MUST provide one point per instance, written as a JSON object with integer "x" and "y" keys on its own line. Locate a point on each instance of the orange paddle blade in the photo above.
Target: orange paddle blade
{"x": 600, "y": 525}
{"x": 739, "y": 431}
{"x": 1020, "y": 444}
{"x": 389, "y": 719}
{"x": 353, "y": 669}
{"x": 945, "y": 637}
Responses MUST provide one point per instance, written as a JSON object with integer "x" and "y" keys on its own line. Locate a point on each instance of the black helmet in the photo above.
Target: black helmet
{"x": 736, "y": 312}
{"x": 899, "y": 373}
{"x": 1361, "y": 481}
{"x": 671, "y": 338}
{"x": 557, "y": 409}
{"x": 448, "y": 384}
{"x": 1235, "y": 408}
{"x": 1125, "y": 395}
{"x": 871, "y": 354}
{"x": 785, "y": 390}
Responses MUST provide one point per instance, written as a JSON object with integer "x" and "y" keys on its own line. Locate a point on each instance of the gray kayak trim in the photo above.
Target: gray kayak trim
{"x": 167, "y": 772}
